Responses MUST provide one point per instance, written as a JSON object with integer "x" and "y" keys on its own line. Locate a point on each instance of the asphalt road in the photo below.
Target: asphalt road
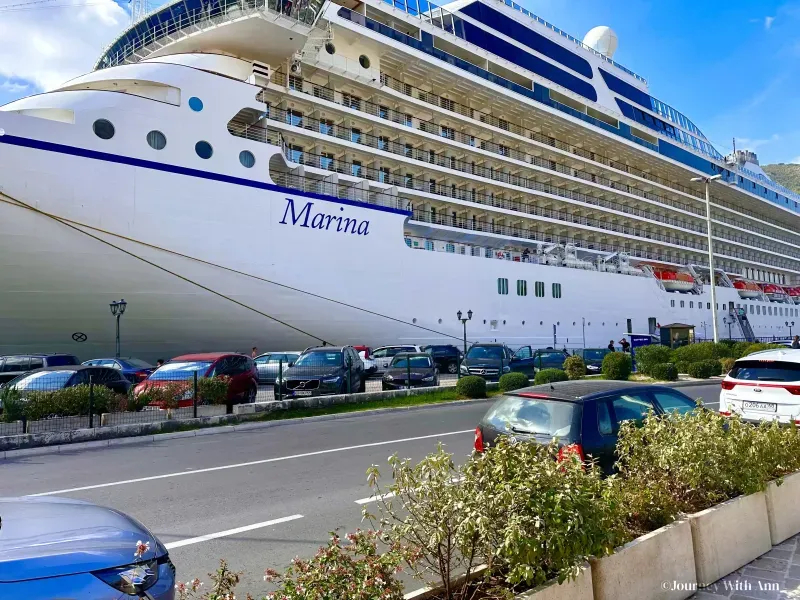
{"x": 256, "y": 498}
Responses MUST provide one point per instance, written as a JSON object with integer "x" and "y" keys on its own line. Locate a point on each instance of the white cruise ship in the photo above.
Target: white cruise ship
{"x": 283, "y": 173}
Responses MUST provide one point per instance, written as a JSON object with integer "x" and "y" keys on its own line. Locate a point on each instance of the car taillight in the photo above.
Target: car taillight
{"x": 725, "y": 413}
{"x": 140, "y": 375}
{"x": 565, "y": 451}
{"x": 794, "y": 390}
{"x": 728, "y": 385}
{"x": 478, "y": 440}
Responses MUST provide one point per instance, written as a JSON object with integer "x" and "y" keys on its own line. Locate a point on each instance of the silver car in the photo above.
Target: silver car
{"x": 383, "y": 356}
{"x": 71, "y": 549}
{"x": 268, "y": 364}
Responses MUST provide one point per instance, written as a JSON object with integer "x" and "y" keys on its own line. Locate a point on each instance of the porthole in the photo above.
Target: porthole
{"x": 440, "y": 321}
{"x": 414, "y": 320}
{"x": 247, "y": 159}
{"x": 558, "y": 323}
{"x": 523, "y": 322}
{"x": 203, "y": 149}
{"x": 573, "y": 323}
{"x": 156, "y": 140}
{"x": 103, "y": 129}
{"x": 484, "y": 321}
{"x": 541, "y": 322}
{"x": 603, "y": 323}
{"x": 363, "y": 60}
{"x": 589, "y": 323}
{"x": 504, "y": 321}
{"x": 195, "y": 104}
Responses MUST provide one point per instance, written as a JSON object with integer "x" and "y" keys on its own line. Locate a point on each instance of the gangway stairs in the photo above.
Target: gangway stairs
{"x": 740, "y": 314}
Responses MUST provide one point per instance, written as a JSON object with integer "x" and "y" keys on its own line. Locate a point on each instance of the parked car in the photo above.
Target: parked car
{"x": 584, "y": 416}
{"x": 487, "y": 360}
{"x": 411, "y": 371}
{"x": 63, "y": 548}
{"x": 269, "y": 363}
{"x": 134, "y": 369}
{"x": 323, "y": 370}
{"x": 763, "y": 386}
{"x": 13, "y": 365}
{"x": 593, "y": 359}
{"x": 529, "y": 360}
{"x": 447, "y": 357}
{"x": 242, "y": 387}
{"x": 51, "y": 379}
{"x": 383, "y": 356}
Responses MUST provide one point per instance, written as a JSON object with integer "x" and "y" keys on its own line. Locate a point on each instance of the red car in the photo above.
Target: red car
{"x": 241, "y": 370}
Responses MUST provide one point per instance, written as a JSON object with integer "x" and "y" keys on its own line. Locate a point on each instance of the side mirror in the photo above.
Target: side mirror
{"x": 515, "y": 359}
{"x": 291, "y": 364}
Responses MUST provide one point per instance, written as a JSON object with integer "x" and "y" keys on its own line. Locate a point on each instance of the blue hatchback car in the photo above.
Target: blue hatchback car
{"x": 74, "y": 550}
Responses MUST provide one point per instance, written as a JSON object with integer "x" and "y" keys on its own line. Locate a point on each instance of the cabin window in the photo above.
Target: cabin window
{"x": 247, "y": 159}
{"x": 502, "y": 286}
{"x": 204, "y": 150}
{"x": 103, "y": 129}
{"x": 672, "y": 303}
{"x": 522, "y": 287}
{"x": 556, "y": 290}
{"x": 156, "y": 140}
{"x": 539, "y": 289}
{"x": 682, "y": 303}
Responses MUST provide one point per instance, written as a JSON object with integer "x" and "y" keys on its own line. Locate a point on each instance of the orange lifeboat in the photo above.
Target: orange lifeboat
{"x": 675, "y": 281}
{"x": 772, "y": 291}
{"x": 747, "y": 289}
{"x": 794, "y": 294}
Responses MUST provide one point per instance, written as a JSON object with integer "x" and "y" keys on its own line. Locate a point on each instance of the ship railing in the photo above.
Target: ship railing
{"x": 182, "y": 25}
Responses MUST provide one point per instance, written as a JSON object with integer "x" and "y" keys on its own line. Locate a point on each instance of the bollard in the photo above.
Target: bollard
{"x": 408, "y": 372}
{"x": 280, "y": 380}
{"x": 91, "y": 403}
{"x": 349, "y": 375}
{"x": 194, "y": 396}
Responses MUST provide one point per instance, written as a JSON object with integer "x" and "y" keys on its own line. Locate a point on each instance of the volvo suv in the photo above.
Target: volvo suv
{"x": 323, "y": 370}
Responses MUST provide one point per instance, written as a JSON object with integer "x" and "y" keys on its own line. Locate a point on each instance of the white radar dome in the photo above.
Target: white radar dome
{"x": 603, "y": 39}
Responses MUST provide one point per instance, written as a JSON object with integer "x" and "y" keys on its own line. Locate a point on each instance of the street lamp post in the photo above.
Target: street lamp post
{"x": 707, "y": 181}
{"x": 461, "y": 318}
{"x": 728, "y": 322}
{"x": 790, "y": 324}
{"x": 118, "y": 309}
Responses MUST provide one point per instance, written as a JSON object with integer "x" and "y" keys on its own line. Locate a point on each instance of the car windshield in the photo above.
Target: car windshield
{"x": 43, "y": 380}
{"x": 552, "y": 358}
{"x": 417, "y": 362}
{"x": 485, "y": 352}
{"x": 758, "y": 370}
{"x": 137, "y": 363}
{"x": 173, "y": 371}
{"x": 319, "y": 359}
{"x": 594, "y": 354}
{"x": 551, "y": 418}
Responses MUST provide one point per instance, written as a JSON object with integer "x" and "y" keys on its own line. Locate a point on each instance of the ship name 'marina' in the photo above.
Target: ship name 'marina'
{"x": 319, "y": 220}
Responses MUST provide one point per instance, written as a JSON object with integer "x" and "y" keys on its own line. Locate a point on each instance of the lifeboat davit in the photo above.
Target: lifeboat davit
{"x": 675, "y": 281}
{"x": 747, "y": 289}
{"x": 773, "y": 292}
{"x": 794, "y": 294}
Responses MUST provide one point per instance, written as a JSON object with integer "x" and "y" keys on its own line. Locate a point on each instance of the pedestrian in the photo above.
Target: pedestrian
{"x": 626, "y": 347}
{"x": 611, "y": 345}
{"x": 796, "y": 342}
{"x": 254, "y": 353}
{"x": 159, "y": 363}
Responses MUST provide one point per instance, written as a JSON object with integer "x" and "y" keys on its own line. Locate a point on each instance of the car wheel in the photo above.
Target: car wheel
{"x": 251, "y": 394}
{"x": 452, "y": 368}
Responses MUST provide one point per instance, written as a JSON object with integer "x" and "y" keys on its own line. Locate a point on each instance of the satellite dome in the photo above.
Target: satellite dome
{"x": 603, "y": 39}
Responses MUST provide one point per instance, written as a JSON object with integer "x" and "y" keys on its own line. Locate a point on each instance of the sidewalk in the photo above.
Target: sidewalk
{"x": 774, "y": 576}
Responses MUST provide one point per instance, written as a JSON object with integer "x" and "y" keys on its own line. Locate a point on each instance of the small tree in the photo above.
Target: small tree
{"x": 574, "y": 367}
{"x": 617, "y": 365}
{"x": 649, "y": 356}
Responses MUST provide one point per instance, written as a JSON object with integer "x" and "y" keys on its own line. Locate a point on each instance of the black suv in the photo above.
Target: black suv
{"x": 489, "y": 361}
{"x": 323, "y": 370}
{"x": 13, "y": 365}
{"x": 585, "y": 416}
{"x": 446, "y": 357}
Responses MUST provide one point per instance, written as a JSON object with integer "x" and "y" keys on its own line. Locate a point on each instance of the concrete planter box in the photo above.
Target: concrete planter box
{"x": 730, "y": 535}
{"x": 579, "y": 588}
{"x": 782, "y": 509}
{"x": 656, "y": 566}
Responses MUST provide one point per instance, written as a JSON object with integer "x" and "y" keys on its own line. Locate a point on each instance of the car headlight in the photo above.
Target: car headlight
{"x": 464, "y": 370}
{"x": 506, "y": 369}
{"x": 133, "y": 579}
{"x": 388, "y": 377}
{"x": 331, "y": 380}
{"x": 428, "y": 378}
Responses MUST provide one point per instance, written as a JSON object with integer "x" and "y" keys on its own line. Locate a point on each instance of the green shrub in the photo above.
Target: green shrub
{"x": 664, "y": 372}
{"x": 213, "y": 390}
{"x": 726, "y": 364}
{"x": 760, "y": 346}
{"x": 513, "y": 381}
{"x": 163, "y": 396}
{"x": 13, "y": 407}
{"x": 68, "y": 401}
{"x": 703, "y": 369}
{"x": 471, "y": 386}
{"x": 549, "y": 376}
{"x": 728, "y": 343}
{"x": 617, "y": 365}
{"x": 740, "y": 349}
{"x": 683, "y": 367}
{"x": 649, "y": 356}
{"x": 700, "y": 351}
{"x": 574, "y": 367}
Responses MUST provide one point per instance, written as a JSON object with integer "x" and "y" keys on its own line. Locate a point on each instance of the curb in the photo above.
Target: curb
{"x": 239, "y": 427}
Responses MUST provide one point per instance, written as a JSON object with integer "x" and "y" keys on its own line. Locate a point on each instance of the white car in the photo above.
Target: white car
{"x": 763, "y": 386}
{"x": 383, "y": 355}
{"x": 370, "y": 366}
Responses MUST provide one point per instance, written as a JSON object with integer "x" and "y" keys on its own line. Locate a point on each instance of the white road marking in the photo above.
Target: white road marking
{"x": 226, "y": 533}
{"x": 247, "y": 464}
{"x": 375, "y": 498}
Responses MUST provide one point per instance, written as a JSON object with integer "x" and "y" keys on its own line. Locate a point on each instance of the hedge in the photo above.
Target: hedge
{"x": 703, "y": 369}
{"x": 67, "y": 402}
{"x": 700, "y": 351}
{"x": 549, "y": 376}
{"x": 664, "y": 372}
{"x": 617, "y": 365}
{"x": 513, "y": 381}
{"x": 649, "y": 356}
{"x": 574, "y": 367}
{"x": 726, "y": 364}
{"x": 471, "y": 386}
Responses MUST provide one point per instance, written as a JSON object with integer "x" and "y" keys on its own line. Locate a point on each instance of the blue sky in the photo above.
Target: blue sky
{"x": 731, "y": 67}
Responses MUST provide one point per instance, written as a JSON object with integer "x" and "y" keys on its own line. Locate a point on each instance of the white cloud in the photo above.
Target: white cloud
{"x": 48, "y": 47}
{"x": 768, "y": 22}
{"x": 795, "y": 160}
{"x": 755, "y": 144}
{"x": 13, "y": 88}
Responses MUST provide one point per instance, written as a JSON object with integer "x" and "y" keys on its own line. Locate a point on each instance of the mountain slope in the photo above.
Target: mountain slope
{"x": 787, "y": 175}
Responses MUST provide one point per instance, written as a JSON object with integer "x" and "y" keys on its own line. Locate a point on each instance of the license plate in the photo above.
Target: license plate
{"x": 303, "y": 393}
{"x": 765, "y": 406}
